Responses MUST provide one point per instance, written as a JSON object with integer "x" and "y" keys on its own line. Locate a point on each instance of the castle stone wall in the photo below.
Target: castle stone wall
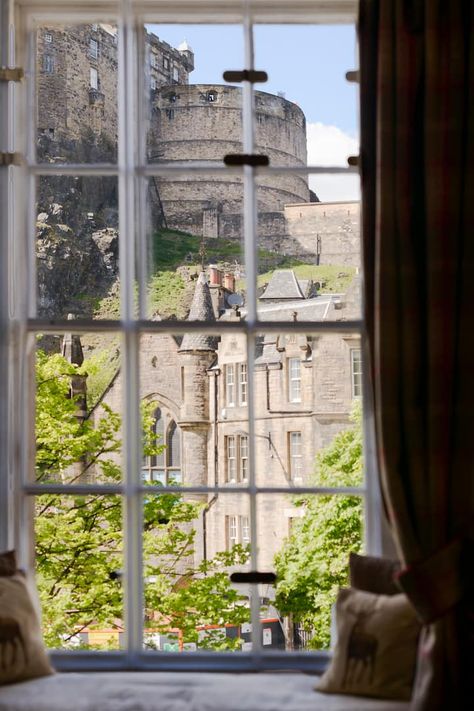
{"x": 337, "y": 224}
{"x": 204, "y": 123}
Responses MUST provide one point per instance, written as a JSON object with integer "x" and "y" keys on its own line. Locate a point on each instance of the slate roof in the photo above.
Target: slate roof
{"x": 201, "y": 310}
{"x": 283, "y": 285}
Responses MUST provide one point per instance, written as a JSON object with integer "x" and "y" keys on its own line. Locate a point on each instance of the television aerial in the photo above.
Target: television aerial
{"x": 235, "y": 301}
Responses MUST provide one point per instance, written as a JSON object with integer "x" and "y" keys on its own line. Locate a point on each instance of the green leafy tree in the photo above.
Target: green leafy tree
{"x": 313, "y": 562}
{"x": 79, "y": 538}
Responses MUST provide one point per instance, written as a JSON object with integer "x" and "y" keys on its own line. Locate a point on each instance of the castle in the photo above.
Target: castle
{"x": 76, "y": 70}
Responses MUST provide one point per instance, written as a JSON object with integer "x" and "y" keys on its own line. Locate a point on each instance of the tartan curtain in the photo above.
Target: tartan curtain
{"x": 417, "y": 166}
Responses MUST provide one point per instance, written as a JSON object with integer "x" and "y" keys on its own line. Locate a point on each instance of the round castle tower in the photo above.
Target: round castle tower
{"x": 204, "y": 123}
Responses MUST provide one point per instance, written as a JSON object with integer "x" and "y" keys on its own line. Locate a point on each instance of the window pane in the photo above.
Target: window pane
{"x": 78, "y": 409}
{"x": 290, "y": 433}
{"x": 192, "y": 544}
{"x": 192, "y": 114}
{"x": 76, "y": 93}
{"x": 322, "y": 113}
{"x": 194, "y": 223}
{"x": 79, "y": 564}
{"x": 306, "y": 541}
{"x": 77, "y": 247}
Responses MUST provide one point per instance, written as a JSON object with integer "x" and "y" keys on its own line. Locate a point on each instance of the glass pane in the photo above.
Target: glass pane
{"x": 307, "y": 81}
{"x": 306, "y": 541}
{"x": 78, "y": 547}
{"x": 314, "y": 273}
{"x": 192, "y": 544}
{"x": 298, "y": 411}
{"x": 78, "y": 409}
{"x": 76, "y": 93}
{"x": 77, "y": 247}
{"x": 192, "y": 114}
{"x": 201, "y": 436}
{"x": 195, "y": 223}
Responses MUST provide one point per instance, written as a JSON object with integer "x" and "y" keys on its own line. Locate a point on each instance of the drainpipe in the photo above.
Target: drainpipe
{"x": 216, "y": 474}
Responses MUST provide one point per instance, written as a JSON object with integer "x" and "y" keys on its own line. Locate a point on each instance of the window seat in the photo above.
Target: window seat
{"x": 172, "y": 691}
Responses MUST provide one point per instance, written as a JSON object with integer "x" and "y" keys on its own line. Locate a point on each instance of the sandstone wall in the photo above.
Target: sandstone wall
{"x": 330, "y": 228}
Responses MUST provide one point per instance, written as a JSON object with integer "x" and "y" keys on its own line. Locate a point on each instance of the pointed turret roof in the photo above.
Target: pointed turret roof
{"x": 201, "y": 310}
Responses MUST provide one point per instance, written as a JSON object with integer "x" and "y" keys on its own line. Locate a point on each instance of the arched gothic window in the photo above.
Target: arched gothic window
{"x": 165, "y": 467}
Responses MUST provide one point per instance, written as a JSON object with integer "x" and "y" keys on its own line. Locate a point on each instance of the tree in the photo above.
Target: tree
{"x": 313, "y": 562}
{"x": 79, "y": 538}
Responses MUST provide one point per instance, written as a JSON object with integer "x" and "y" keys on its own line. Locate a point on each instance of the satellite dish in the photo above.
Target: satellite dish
{"x": 235, "y": 300}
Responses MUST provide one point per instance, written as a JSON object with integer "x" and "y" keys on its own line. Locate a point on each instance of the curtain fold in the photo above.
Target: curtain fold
{"x": 417, "y": 166}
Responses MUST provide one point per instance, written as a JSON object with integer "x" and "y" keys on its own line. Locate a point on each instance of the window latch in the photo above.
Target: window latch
{"x": 252, "y": 159}
{"x": 254, "y": 576}
{"x": 11, "y": 74}
{"x": 353, "y": 76}
{"x": 7, "y": 159}
{"x": 251, "y": 75}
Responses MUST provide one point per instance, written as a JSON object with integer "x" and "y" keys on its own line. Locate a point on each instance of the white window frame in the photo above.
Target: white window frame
{"x": 356, "y": 372}
{"x": 19, "y": 323}
{"x": 295, "y": 455}
{"x": 242, "y": 382}
{"x": 94, "y": 79}
{"x": 231, "y": 458}
{"x": 93, "y": 48}
{"x": 48, "y": 37}
{"x": 294, "y": 379}
{"x": 229, "y": 374}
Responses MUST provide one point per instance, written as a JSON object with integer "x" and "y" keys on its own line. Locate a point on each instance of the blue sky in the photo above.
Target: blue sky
{"x": 306, "y": 63}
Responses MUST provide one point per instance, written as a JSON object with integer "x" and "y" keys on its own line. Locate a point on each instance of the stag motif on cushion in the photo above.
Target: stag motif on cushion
{"x": 360, "y": 654}
{"x": 11, "y": 641}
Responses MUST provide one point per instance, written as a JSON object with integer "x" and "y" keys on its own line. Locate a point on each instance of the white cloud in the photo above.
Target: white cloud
{"x": 329, "y": 145}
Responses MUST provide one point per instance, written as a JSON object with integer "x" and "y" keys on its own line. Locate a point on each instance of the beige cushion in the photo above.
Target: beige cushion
{"x": 375, "y": 654}
{"x": 373, "y": 574}
{"x": 22, "y": 654}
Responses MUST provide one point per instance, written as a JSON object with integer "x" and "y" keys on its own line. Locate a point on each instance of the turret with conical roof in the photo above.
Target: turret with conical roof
{"x": 201, "y": 310}
{"x": 196, "y": 355}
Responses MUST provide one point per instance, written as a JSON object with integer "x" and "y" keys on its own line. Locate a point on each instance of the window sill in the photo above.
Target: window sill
{"x": 162, "y": 691}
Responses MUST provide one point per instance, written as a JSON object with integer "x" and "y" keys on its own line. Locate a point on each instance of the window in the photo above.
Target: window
{"x": 245, "y": 530}
{"x": 172, "y": 421}
{"x": 242, "y": 368}
{"x": 231, "y": 458}
{"x": 237, "y": 459}
{"x": 294, "y": 379}
{"x": 152, "y": 83}
{"x": 230, "y": 384}
{"x": 48, "y": 37}
{"x": 153, "y": 60}
{"x": 94, "y": 79}
{"x": 165, "y": 466}
{"x": 238, "y": 531}
{"x": 232, "y": 531}
{"x": 48, "y": 64}
{"x": 212, "y": 96}
{"x": 236, "y": 396}
{"x": 95, "y": 27}
{"x": 93, "y": 49}
{"x": 296, "y": 458}
{"x": 356, "y": 372}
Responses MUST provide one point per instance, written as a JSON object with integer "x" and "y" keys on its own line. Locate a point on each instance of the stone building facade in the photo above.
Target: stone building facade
{"x": 305, "y": 386}
{"x": 76, "y": 77}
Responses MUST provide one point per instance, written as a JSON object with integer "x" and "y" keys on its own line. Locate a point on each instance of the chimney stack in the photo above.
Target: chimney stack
{"x": 229, "y": 282}
{"x": 215, "y": 276}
